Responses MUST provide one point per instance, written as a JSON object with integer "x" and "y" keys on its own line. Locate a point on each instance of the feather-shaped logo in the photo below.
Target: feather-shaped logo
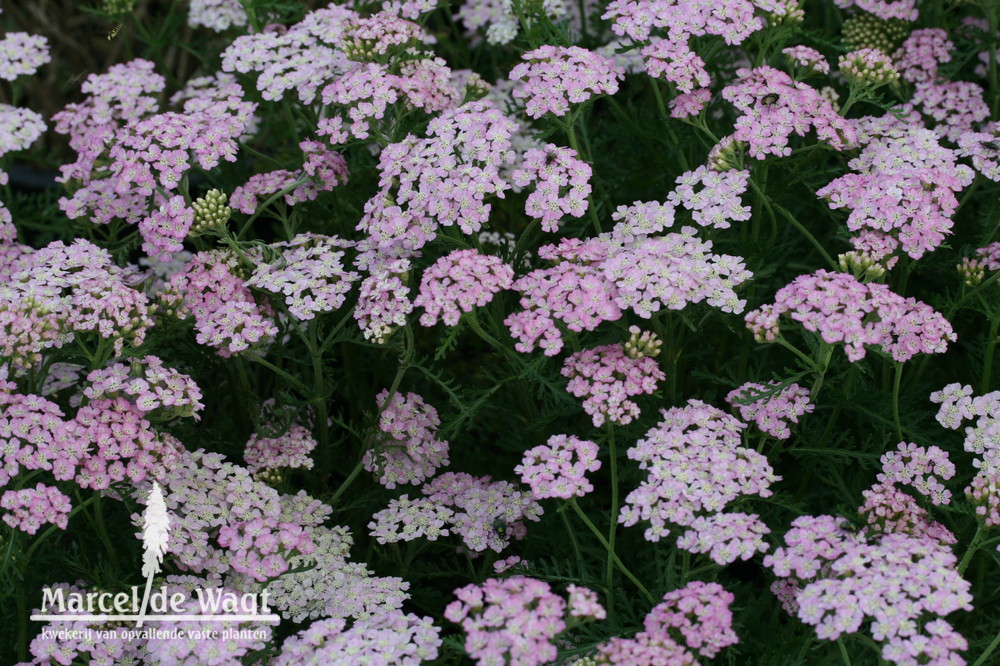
{"x": 155, "y": 534}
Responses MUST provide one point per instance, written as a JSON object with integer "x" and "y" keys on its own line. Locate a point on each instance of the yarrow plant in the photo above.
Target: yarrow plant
{"x": 500, "y": 332}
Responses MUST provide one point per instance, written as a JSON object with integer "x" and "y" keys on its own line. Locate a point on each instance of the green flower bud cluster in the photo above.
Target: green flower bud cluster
{"x": 861, "y": 265}
{"x": 210, "y": 213}
{"x": 866, "y": 31}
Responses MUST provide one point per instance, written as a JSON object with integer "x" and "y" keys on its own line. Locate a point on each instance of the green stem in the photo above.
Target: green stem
{"x": 319, "y": 396}
{"x": 826, "y": 352}
{"x": 973, "y": 547}
{"x": 575, "y": 145}
{"x": 604, "y": 542}
{"x": 991, "y": 344}
{"x": 805, "y": 232}
{"x": 572, "y": 539}
{"x": 103, "y": 530}
{"x": 613, "y": 527}
{"x": 795, "y": 350}
{"x": 346, "y": 484}
{"x": 843, "y": 652}
{"x": 989, "y": 650}
{"x": 895, "y": 400}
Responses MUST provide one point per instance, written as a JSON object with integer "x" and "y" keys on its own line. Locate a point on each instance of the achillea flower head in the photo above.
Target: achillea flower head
{"x": 487, "y": 514}
{"x": 555, "y": 77}
{"x": 677, "y": 63}
{"x": 606, "y": 377}
{"x": 807, "y": 59}
{"x": 310, "y": 273}
{"x": 289, "y": 450}
{"x": 383, "y": 301}
{"x": 21, "y": 54}
{"x": 919, "y": 57}
{"x": 405, "y": 520}
{"x": 217, "y": 15}
{"x": 406, "y": 448}
{"x": 896, "y": 585}
{"x": 773, "y": 107}
{"x": 693, "y": 620}
{"x": 922, "y": 468}
{"x": 770, "y": 410}
{"x": 150, "y": 385}
{"x": 165, "y": 229}
{"x": 561, "y": 184}
{"x": 713, "y": 197}
{"x": 695, "y": 465}
{"x": 392, "y": 638}
{"x": 513, "y": 620}
{"x": 840, "y": 309}
{"x": 34, "y": 435}
{"x": 226, "y": 316}
{"x": 460, "y": 282}
{"x": 28, "y": 509}
{"x": 122, "y": 444}
{"x": 903, "y": 10}
{"x": 558, "y": 468}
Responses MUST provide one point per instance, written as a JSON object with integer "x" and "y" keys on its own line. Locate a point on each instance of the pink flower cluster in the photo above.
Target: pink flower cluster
{"x": 383, "y": 301}
{"x": 958, "y": 406}
{"x": 905, "y": 10}
{"x": 807, "y": 58}
{"x": 226, "y": 316}
{"x": 34, "y": 436}
{"x": 459, "y": 282}
{"x": 556, "y": 76}
{"x": 390, "y": 638}
{"x": 595, "y": 280}
{"x": 260, "y": 547}
{"x": 31, "y": 507}
{"x": 695, "y": 466}
{"x": 955, "y": 107}
{"x": 405, "y": 520}
{"x": 919, "y": 467}
{"x": 310, "y": 274}
{"x": 983, "y": 147}
{"x": 902, "y": 192}
{"x": 302, "y": 58}
{"x": 441, "y": 180}
{"x": 290, "y": 449}
{"x": 562, "y": 184}
{"x": 559, "y": 467}
{"x": 918, "y": 58}
{"x": 486, "y": 513}
{"x": 841, "y": 309}
{"x": 733, "y": 20}
{"x": 717, "y": 201}
{"x": 888, "y": 510}
{"x": 515, "y": 620}
{"x": 406, "y": 449}
{"x": 21, "y": 54}
{"x": 769, "y": 408}
{"x": 676, "y": 62}
{"x": 150, "y": 385}
{"x": 122, "y": 444}
{"x": 897, "y": 582}
{"x": 773, "y": 106}
{"x": 607, "y": 377}
{"x": 693, "y": 620}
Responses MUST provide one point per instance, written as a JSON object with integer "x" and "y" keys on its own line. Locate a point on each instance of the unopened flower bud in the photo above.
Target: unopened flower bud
{"x": 210, "y": 213}
{"x": 861, "y": 265}
{"x": 642, "y": 343}
{"x": 972, "y": 271}
{"x": 868, "y": 68}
